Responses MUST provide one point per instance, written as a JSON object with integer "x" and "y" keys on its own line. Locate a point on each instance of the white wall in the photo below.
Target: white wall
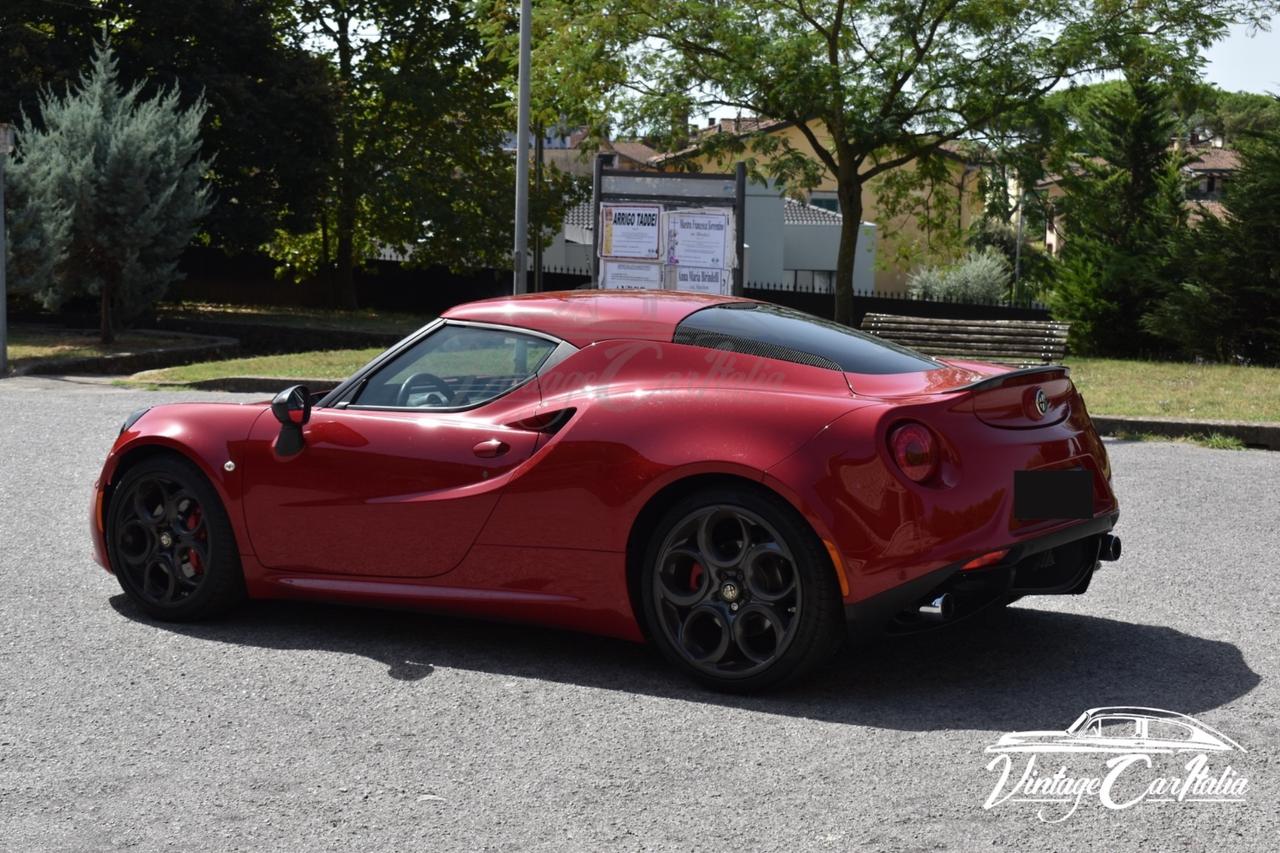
{"x": 561, "y": 255}
{"x": 816, "y": 247}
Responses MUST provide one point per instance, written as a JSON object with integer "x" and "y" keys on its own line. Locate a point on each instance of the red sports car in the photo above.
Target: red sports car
{"x": 734, "y": 481}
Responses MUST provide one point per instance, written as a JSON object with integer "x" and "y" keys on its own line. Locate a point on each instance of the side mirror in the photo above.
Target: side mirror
{"x": 292, "y": 408}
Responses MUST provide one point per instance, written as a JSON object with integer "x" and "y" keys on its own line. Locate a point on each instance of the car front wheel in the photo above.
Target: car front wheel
{"x": 170, "y": 542}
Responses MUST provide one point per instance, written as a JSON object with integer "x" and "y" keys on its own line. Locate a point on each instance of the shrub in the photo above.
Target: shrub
{"x": 109, "y": 187}
{"x": 983, "y": 276}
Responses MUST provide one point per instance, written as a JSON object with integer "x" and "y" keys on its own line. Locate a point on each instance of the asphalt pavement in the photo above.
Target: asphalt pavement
{"x": 313, "y": 727}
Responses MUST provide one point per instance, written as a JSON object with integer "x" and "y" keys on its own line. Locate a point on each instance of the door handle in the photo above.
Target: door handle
{"x": 490, "y": 448}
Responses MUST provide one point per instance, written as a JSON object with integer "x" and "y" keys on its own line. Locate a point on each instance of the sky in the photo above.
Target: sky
{"x": 1243, "y": 63}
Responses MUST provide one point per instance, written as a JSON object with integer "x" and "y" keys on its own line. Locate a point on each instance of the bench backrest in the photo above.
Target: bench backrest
{"x": 1015, "y": 341}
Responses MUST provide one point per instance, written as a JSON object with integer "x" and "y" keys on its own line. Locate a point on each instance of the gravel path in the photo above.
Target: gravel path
{"x": 306, "y": 727}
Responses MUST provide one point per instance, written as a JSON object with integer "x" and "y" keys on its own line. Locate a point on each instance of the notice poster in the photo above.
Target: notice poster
{"x": 631, "y": 231}
{"x": 700, "y": 279}
{"x": 619, "y": 275}
{"x": 698, "y": 238}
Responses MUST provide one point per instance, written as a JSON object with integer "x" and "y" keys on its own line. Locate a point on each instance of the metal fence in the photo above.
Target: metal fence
{"x": 866, "y": 302}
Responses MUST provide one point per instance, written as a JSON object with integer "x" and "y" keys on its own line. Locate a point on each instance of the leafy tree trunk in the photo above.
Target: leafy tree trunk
{"x": 106, "y": 322}
{"x": 849, "y": 192}
{"x": 347, "y": 195}
{"x": 326, "y": 267}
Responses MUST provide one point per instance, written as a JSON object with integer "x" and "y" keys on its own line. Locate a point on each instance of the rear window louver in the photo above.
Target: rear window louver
{"x": 746, "y": 346}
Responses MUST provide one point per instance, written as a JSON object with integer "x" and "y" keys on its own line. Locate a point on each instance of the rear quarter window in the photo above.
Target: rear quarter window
{"x": 772, "y": 331}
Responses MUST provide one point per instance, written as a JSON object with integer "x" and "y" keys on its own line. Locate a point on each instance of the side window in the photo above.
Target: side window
{"x": 1115, "y": 727}
{"x": 771, "y": 331}
{"x": 455, "y": 367}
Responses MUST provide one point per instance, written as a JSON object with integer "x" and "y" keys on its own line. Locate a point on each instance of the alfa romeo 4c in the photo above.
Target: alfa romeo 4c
{"x": 735, "y": 482}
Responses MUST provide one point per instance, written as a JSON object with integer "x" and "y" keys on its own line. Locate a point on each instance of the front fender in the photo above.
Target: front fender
{"x": 209, "y": 435}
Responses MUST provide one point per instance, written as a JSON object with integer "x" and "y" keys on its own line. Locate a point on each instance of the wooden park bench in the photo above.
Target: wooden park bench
{"x": 1011, "y": 341}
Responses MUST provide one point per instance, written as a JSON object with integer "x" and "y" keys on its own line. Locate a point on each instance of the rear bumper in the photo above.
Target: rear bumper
{"x": 1076, "y": 547}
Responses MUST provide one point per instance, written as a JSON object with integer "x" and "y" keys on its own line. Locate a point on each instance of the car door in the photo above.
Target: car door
{"x": 397, "y": 477}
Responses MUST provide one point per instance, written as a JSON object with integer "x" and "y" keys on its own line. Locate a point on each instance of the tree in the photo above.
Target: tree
{"x": 114, "y": 192}
{"x": 1200, "y": 109}
{"x": 1227, "y": 305}
{"x": 269, "y": 123}
{"x": 1030, "y": 264}
{"x": 873, "y": 86}
{"x": 42, "y": 46}
{"x": 421, "y": 124}
{"x": 1124, "y": 211}
{"x": 1207, "y": 111}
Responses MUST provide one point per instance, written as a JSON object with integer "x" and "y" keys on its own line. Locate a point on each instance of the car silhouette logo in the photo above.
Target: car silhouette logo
{"x": 1123, "y": 730}
{"x": 1042, "y": 402}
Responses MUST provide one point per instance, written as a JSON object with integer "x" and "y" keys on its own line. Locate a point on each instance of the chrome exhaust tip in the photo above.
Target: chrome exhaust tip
{"x": 1109, "y": 549}
{"x": 939, "y": 608}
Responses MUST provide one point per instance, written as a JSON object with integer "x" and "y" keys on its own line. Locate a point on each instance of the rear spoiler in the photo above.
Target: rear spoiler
{"x": 1000, "y": 379}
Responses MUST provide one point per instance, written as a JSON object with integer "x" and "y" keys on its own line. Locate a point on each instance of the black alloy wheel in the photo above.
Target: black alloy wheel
{"x": 740, "y": 592}
{"x": 170, "y": 543}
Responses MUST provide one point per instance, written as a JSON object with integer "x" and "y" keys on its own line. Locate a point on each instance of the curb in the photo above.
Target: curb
{"x": 1251, "y": 434}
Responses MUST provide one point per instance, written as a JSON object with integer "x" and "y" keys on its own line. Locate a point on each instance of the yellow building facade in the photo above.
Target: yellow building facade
{"x": 912, "y": 232}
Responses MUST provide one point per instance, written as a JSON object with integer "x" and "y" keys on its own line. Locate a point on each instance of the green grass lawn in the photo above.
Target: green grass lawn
{"x": 27, "y": 344}
{"x": 1111, "y": 386}
{"x": 327, "y": 364}
{"x": 1178, "y": 389}
{"x": 365, "y": 320}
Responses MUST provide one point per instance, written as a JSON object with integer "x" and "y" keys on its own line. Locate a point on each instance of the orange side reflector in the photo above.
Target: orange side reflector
{"x": 839, "y": 564}
{"x": 986, "y": 559}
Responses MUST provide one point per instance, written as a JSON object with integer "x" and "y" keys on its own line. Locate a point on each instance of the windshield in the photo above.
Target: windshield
{"x": 1080, "y": 721}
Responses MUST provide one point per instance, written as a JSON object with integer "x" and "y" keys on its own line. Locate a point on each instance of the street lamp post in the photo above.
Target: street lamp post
{"x": 519, "y": 256}
{"x": 6, "y": 147}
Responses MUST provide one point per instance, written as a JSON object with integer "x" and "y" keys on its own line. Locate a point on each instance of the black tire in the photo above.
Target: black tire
{"x": 170, "y": 542}
{"x": 747, "y": 547}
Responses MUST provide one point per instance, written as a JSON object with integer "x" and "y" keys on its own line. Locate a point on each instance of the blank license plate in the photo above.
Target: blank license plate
{"x": 1052, "y": 494}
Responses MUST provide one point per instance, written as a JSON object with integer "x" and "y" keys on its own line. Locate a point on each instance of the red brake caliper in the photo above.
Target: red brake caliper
{"x": 193, "y": 556}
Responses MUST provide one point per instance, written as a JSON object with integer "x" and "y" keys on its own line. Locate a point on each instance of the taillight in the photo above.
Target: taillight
{"x": 915, "y": 450}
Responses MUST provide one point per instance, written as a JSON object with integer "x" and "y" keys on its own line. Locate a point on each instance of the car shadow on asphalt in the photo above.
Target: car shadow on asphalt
{"x": 993, "y": 673}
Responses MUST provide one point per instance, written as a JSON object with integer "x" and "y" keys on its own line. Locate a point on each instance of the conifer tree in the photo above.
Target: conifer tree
{"x": 1124, "y": 213}
{"x": 110, "y": 189}
{"x": 1227, "y": 305}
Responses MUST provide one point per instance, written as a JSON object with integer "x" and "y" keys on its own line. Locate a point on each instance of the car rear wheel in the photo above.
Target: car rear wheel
{"x": 171, "y": 544}
{"x": 739, "y": 591}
